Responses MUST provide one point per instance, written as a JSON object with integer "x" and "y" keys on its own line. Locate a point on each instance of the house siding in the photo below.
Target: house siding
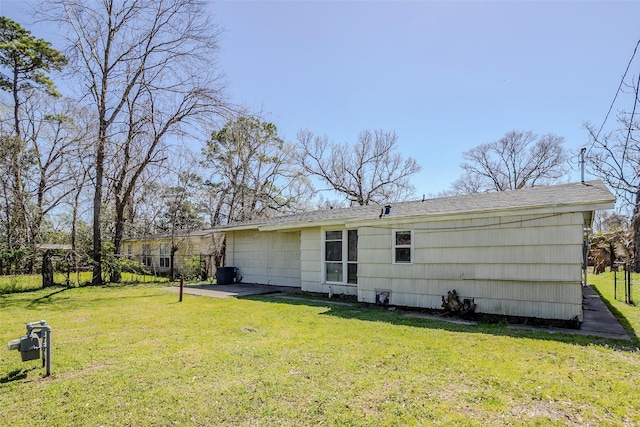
{"x": 269, "y": 258}
{"x": 311, "y": 255}
{"x": 515, "y": 252}
{"x": 510, "y": 265}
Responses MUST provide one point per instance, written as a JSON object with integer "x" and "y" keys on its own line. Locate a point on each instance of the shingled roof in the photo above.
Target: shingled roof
{"x": 591, "y": 195}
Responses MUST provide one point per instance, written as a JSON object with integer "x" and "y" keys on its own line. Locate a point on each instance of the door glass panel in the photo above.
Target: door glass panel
{"x": 333, "y": 271}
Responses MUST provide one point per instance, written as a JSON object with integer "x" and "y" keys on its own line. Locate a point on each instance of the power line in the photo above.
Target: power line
{"x": 633, "y": 113}
{"x": 624, "y": 76}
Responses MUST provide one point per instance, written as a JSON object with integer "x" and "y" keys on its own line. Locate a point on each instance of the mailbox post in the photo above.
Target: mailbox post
{"x": 36, "y": 342}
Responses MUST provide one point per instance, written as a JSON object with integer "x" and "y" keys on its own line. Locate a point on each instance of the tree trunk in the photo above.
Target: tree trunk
{"x": 47, "y": 269}
{"x": 635, "y": 224}
{"x": 97, "y": 207}
{"x": 116, "y": 274}
{"x": 172, "y": 271}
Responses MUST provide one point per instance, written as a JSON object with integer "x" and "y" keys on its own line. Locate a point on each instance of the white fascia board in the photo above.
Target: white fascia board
{"x": 447, "y": 216}
{"x": 239, "y": 227}
{"x": 306, "y": 224}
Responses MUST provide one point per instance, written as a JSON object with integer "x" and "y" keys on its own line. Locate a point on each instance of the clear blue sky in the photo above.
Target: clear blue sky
{"x": 446, "y": 76}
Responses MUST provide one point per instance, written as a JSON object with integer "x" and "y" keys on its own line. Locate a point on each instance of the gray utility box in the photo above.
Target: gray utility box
{"x": 36, "y": 342}
{"x": 29, "y": 347}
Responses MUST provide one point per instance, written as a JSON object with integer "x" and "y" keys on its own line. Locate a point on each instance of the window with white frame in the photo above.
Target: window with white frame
{"x": 341, "y": 256}
{"x": 402, "y": 246}
{"x": 165, "y": 252}
{"x": 333, "y": 256}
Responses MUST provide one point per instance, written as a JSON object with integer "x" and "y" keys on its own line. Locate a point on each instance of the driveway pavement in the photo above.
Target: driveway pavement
{"x": 598, "y": 320}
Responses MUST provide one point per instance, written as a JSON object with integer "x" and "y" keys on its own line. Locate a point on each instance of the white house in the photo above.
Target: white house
{"x": 517, "y": 253}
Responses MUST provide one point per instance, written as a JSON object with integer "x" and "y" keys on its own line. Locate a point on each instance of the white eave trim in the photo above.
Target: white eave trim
{"x": 445, "y": 216}
{"x": 307, "y": 224}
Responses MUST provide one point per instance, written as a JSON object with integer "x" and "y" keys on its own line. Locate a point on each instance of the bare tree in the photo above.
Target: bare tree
{"x": 517, "y": 160}
{"x": 55, "y": 131}
{"x": 145, "y": 211}
{"x": 148, "y": 67}
{"x": 609, "y": 220}
{"x": 369, "y": 171}
{"x": 615, "y": 158}
{"x": 180, "y": 213}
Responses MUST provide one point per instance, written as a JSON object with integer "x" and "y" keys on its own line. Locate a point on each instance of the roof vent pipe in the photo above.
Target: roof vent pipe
{"x": 582, "y": 151}
{"x": 385, "y": 211}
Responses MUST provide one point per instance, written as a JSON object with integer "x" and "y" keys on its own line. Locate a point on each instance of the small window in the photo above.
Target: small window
{"x": 402, "y": 247}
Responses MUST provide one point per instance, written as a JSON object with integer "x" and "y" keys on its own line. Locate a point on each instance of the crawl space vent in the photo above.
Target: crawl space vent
{"x": 383, "y": 297}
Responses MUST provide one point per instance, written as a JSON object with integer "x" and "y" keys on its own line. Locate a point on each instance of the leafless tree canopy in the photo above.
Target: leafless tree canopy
{"x": 148, "y": 67}
{"x": 517, "y": 160}
{"x": 367, "y": 172}
{"x": 615, "y": 158}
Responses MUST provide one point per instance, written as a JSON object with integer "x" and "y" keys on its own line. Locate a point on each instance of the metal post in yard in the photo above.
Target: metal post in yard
{"x": 630, "y": 300}
{"x": 46, "y": 356}
{"x": 181, "y": 287}
{"x": 45, "y": 335}
{"x": 627, "y": 284}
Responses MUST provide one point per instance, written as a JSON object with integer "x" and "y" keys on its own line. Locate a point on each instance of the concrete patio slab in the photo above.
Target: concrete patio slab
{"x": 597, "y": 319}
{"x": 235, "y": 290}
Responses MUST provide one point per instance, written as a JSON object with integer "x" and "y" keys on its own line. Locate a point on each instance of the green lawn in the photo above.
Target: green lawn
{"x": 134, "y": 356}
{"x": 31, "y": 282}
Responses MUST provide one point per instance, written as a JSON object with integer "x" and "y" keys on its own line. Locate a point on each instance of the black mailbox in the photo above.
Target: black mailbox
{"x": 29, "y": 347}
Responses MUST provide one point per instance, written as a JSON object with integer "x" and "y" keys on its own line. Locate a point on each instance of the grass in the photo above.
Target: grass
{"x": 133, "y": 355}
{"x": 30, "y": 282}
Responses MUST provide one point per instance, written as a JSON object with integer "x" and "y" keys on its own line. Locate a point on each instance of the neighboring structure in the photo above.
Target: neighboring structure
{"x": 195, "y": 254}
{"x": 517, "y": 253}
